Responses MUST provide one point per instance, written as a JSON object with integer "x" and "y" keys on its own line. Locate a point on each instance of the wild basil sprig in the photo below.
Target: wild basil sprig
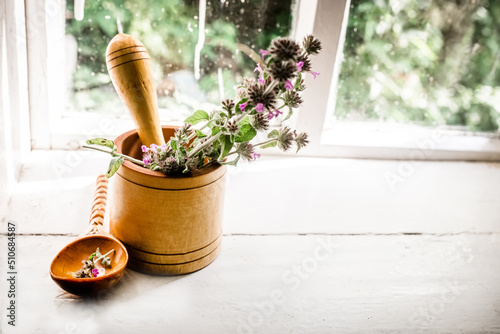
{"x": 228, "y": 131}
{"x": 117, "y": 158}
{"x": 89, "y": 269}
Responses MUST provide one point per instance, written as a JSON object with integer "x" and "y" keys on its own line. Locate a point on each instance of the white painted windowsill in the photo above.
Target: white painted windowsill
{"x": 310, "y": 245}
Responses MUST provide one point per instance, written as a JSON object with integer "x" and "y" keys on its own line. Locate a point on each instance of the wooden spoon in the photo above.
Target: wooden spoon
{"x": 69, "y": 260}
{"x": 129, "y": 67}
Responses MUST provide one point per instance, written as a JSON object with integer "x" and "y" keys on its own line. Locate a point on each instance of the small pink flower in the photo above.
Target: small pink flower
{"x": 288, "y": 85}
{"x": 255, "y": 156}
{"x": 314, "y": 74}
{"x": 243, "y": 106}
{"x": 164, "y": 147}
{"x": 299, "y": 66}
{"x": 147, "y": 160}
{"x": 154, "y": 147}
{"x": 263, "y": 53}
{"x": 258, "y": 68}
{"x": 144, "y": 148}
{"x": 270, "y": 115}
{"x": 259, "y": 107}
{"x": 95, "y": 271}
{"x": 261, "y": 81}
{"x": 278, "y": 112}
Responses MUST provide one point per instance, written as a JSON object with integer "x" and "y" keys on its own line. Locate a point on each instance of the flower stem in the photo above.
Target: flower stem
{"x": 193, "y": 134}
{"x": 255, "y": 145}
{"x": 214, "y": 138}
{"x": 265, "y": 142}
{"x": 271, "y": 87}
{"x": 126, "y": 157}
{"x": 103, "y": 256}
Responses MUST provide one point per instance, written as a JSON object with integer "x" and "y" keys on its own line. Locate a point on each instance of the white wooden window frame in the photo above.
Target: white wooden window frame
{"x": 326, "y": 19}
{"x": 14, "y": 116}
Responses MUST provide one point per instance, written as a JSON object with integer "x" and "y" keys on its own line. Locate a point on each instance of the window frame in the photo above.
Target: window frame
{"x": 14, "y": 108}
{"x": 327, "y": 20}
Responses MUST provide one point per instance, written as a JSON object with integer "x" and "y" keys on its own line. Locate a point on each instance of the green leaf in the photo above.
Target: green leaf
{"x": 173, "y": 144}
{"x": 245, "y": 120}
{"x": 102, "y": 142}
{"x": 227, "y": 145}
{"x": 91, "y": 257}
{"x": 183, "y": 150}
{"x": 197, "y": 117}
{"x": 247, "y": 133}
{"x": 215, "y": 130}
{"x": 298, "y": 80}
{"x": 273, "y": 144}
{"x": 273, "y": 134}
{"x": 114, "y": 165}
{"x": 200, "y": 134}
{"x": 231, "y": 163}
{"x": 290, "y": 113}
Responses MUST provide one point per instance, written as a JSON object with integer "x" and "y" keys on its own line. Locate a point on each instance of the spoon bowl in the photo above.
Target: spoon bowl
{"x": 69, "y": 260}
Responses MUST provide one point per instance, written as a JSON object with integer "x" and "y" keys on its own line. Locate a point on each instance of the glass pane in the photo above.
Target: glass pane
{"x": 169, "y": 30}
{"x": 432, "y": 63}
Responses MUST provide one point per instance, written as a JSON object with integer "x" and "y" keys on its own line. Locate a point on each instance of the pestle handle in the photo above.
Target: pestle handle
{"x": 129, "y": 66}
{"x": 98, "y": 206}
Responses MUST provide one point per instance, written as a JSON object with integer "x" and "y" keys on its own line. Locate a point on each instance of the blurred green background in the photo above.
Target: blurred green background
{"x": 422, "y": 61}
{"x": 426, "y": 62}
{"x": 169, "y": 30}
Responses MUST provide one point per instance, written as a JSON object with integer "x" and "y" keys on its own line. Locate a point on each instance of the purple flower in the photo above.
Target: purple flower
{"x": 270, "y": 115}
{"x": 154, "y": 147}
{"x": 261, "y": 81}
{"x": 288, "y": 85}
{"x": 299, "y": 66}
{"x": 95, "y": 272}
{"x": 147, "y": 160}
{"x": 258, "y": 68}
{"x": 255, "y": 156}
{"x": 314, "y": 74}
{"x": 243, "y": 106}
{"x": 259, "y": 107}
{"x": 144, "y": 148}
{"x": 164, "y": 147}
{"x": 263, "y": 53}
{"x": 278, "y": 112}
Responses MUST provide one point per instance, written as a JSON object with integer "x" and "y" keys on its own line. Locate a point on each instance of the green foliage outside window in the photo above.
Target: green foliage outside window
{"x": 422, "y": 61}
{"x": 169, "y": 30}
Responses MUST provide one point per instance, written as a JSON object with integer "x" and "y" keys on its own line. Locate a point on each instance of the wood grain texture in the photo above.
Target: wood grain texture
{"x": 129, "y": 66}
{"x": 170, "y": 224}
{"x": 68, "y": 260}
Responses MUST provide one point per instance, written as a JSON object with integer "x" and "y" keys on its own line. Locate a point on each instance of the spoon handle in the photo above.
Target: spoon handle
{"x": 99, "y": 206}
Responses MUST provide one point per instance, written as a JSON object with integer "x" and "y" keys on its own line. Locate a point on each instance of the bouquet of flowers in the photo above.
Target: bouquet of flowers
{"x": 224, "y": 135}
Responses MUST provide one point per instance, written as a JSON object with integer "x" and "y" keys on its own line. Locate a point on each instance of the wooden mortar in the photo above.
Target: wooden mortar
{"x": 170, "y": 225}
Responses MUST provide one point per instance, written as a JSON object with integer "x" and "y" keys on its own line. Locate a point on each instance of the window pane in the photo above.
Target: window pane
{"x": 169, "y": 30}
{"x": 433, "y": 63}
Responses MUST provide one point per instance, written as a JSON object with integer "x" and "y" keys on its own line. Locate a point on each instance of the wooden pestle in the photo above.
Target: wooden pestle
{"x": 129, "y": 67}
